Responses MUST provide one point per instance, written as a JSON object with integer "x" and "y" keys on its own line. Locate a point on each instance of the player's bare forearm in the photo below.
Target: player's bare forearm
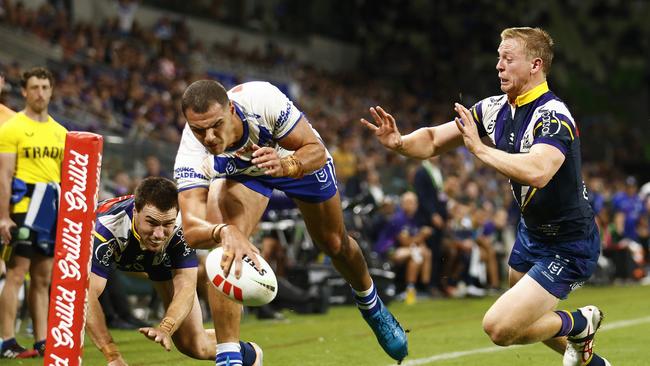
{"x": 312, "y": 156}
{"x": 96, "y": 323}
{"x": 196, "y": 229}
{"x": 426, "y": 142}
{"x": 184, "y": 289}
{"x": 535, "y": 168}
{"x": 417, "y": 144}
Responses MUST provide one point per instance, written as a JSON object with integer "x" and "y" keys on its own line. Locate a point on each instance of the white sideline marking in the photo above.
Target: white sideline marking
{"x": 458, "y": 354}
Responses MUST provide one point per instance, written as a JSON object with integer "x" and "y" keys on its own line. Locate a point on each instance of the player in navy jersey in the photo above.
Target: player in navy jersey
{"x": 140, "y": 234}
{"x": 537, "y": 145}
{"x": 236, "y": 148}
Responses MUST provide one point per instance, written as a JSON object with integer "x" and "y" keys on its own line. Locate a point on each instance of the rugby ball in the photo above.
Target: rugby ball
{"x": 255, "y": 287}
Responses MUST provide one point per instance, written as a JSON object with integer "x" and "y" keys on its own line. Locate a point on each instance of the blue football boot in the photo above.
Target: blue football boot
{"x": 388, "y": 331}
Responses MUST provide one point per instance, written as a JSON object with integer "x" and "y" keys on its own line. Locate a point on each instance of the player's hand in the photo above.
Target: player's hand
{"x": 235, "y": 247}
{"x": 468, "y": 129}
{"x": 158, "y": 335}
{"x": 267, "y": 158}
{"x": 384, "y": 128}
{"x": 118, "y": 362}
{"x": 6, "y": 224}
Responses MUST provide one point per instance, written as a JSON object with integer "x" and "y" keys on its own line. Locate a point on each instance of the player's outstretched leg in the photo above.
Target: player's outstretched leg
{"x": 387, "y": 329}
{"x": 580, "y": 346}
{"x": 324, "y": 222}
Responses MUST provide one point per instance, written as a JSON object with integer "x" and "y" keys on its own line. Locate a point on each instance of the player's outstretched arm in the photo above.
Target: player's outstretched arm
{"x": 184, "y": 285}
{"x": 196, "y": 229}
{"x": 422, "y": 143}
{"x": 201, "y": 234}
{"x": 96, "y": 323}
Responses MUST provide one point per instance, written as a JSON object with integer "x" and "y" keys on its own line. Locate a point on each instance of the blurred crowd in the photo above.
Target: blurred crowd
{"x": 449, "y": 237}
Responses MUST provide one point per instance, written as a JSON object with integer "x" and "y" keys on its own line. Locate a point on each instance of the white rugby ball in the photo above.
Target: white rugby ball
{"x": 255, "y": 287}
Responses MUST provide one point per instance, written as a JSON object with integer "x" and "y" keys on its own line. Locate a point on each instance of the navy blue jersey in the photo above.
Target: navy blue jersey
{"x": 560, "y": 211}
{"x": 117, "y": 245}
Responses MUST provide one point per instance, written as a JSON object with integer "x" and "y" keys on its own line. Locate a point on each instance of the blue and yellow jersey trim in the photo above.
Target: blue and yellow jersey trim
{"x": 532, "y": 94}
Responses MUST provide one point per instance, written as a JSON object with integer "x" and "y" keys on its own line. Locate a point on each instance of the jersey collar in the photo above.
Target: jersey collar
{"x": 532, "y": 94}
{"x": 136, "y": 235}
{"x": 244, "y": 136}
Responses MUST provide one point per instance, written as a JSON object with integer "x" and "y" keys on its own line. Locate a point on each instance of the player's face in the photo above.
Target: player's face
{"x": 514, "y": 67}
{"x": 215, "y": 129}
{"x": 37, "y": 94}
{"x": 154, "y": 226}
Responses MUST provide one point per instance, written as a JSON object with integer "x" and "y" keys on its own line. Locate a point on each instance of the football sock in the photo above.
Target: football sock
{"x": 596, "y": 361}
{"x": 573, "y": 323}
{"x": 367, "y": 301}
{"x": 229, "y": 354}
{"x": 248, "y": 354}
{"x": 579, "y": 323}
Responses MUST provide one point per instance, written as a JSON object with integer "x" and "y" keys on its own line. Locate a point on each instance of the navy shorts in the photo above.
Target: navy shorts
{"x": 316, "y": 187}
{"x": 558, "y": 267}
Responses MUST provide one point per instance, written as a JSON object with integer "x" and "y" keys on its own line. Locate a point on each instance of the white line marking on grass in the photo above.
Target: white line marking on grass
{"x": 458, "y": 354}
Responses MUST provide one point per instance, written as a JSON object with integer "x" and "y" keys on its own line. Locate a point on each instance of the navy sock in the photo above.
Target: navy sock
{"x": 367, "y": 301}
{"x": 596, "y": 361}
{"x": 39, "y": 344}
{"x": 567, "y": 323}
{"x": 579, "y": 323}
{"x": 248, "y": 354}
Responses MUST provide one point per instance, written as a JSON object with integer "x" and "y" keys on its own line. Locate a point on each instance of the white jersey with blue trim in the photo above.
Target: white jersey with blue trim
{"x": 268, "y": 116}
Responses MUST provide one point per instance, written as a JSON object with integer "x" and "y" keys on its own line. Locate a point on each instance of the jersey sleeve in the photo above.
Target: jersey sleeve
{"x": 102, "y": 261}
{"x": 180, "y": 254}
{"x": 556, "y": 129}
{"x": 485, "y": 114}
{"x": 188, "y": 171}
{"x": 279, "y": 112}
{"x": 8, "y": 138}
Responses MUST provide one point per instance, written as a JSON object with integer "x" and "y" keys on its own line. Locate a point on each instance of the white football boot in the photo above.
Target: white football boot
{"x": 580, "y": 348}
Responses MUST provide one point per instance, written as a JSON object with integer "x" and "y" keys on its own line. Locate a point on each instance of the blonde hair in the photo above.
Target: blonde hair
{"x": 537, "y": 44}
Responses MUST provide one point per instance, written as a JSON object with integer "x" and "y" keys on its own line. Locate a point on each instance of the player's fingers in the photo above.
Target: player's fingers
{"x": 226, "y": 262}
{"x": 459, "y": 125}
{"x": 167, "y": 344}
{"x": 238, "y": 265}
{"x": 375, "y": 115}
{"x": 369, "y": 125}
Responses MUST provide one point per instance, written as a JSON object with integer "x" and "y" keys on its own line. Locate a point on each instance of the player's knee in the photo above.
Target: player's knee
{"x": 196, "y": 350}
{"x": 500, "y": 333}
{"x": 335, "y": 244}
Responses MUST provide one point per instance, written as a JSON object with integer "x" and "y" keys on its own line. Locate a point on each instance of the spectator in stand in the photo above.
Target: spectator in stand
{"x": 153, "y": 168}
{"x": 403, "y": 242}
{"x": 432, "y": 212}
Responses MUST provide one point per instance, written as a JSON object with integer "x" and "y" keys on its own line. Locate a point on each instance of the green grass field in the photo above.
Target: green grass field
{"x": 443, "y": 332}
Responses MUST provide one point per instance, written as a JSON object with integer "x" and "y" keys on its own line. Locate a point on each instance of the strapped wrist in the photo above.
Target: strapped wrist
{"x": 216, "y": 232}
{"x": 167, "y": 325}
{"x": 292, "y": 167}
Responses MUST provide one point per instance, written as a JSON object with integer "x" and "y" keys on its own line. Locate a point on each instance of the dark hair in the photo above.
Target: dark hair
{"x": 202, "y": 94}
{"x": 158, "y": 192}
{"x": 40, "y": 73}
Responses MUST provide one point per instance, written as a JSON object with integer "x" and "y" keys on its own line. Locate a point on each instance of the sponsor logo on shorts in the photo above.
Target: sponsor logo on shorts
{"x": 555, "y": 268}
